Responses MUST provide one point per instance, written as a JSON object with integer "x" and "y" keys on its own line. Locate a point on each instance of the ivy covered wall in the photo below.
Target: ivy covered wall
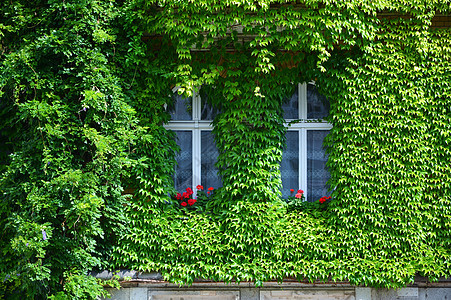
{"x": 84, "y": 91}
{"x": 389, "y": 146}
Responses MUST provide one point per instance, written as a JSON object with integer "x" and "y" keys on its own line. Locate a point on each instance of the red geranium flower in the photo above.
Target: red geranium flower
{"x": 178, "y": 196}
{"x": 210, "y": 188}
{"x": 199, "y": 187}
{"x": 183, "y": 204}
{"x": 301, "y": 191}
{"x": 191, "y": 201}
{"x": 189, "y": 191}
{"x": 291, "y": 191}
{"x": 185, "y": 195}
{"x": 323, "y": 199}
{"x": 208, "y": 193}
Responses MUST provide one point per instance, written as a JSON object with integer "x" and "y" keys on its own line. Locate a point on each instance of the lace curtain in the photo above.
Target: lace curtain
{"x": 317, "y": 105}
{"x": 183, "y": 176}
{"x": 317, "y": 173}
{"x": 209, "y": 173}
{"x": 289, "y": 167}
{"x": 181, "y": 109}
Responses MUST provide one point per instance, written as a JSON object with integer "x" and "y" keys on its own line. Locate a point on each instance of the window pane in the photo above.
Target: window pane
{"x": 317, "y": 173}
{"x": 183, "y": 176}
{"x": 209, "y": 173}
{"x": 317, "y": 104}
{"x": 289, "y": 168}
{"x": 208, "y": 111}
{"x": 182, "y": 108}
{"x": 290, "y": 106}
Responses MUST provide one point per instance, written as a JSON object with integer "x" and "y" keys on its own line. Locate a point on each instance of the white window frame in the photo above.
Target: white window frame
{"x": 196, "y": 126}
{"x": 302, "y": 125}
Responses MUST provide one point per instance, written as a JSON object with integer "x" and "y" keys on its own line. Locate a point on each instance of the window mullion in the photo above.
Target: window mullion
{"x": 196, "y": 106}
{"x": 302, "y": 92}
{"x": 196, "y": 157}
{"x": 303, "y": 160}
{"x": 197, "y": 149}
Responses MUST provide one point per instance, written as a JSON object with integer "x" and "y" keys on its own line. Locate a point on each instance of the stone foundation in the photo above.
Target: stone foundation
{"x": 152, "y": 287}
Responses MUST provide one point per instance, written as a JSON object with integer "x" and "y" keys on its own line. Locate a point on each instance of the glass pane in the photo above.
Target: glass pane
{"x": 182, "y": 108}
{"x": 209, "y": 173}
{"x": 290, "y": 106}
{"x": 317, "y": 173}
{"x": 289, "y": 167}
{"x": 208, "y": 111}
{"x": 183, "y": 176}
{"x": 317, "y": 105}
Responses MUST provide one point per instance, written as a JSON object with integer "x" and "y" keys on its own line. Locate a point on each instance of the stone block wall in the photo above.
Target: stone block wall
{"x": 152, "y": 287}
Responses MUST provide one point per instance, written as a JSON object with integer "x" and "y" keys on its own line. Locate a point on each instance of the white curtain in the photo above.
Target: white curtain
{"x": 209, "y": 173}
{"x": 317, "y": 173}
{"x": 183, "y": 176}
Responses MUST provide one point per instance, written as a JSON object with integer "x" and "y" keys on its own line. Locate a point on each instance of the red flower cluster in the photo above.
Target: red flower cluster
{"x": 210, "y": 189}
{"x": 299, "y": 194}
{"x": 190, "y": 202}
{"x": 187, "y": 199}
{"x": 324, "y": 199}
{"x": 187, "y": 195}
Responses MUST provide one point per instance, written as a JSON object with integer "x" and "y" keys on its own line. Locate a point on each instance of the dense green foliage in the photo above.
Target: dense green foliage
{"x": 391, "y": 168}
{"x": 68, "y": 82}
{"x": 389, "y": 217}
{"x": 83, "y": 91}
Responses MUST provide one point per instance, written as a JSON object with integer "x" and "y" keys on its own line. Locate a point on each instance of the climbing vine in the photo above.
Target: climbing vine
{"x": 86, "y": 165}
{"x": 378, "y": 74}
